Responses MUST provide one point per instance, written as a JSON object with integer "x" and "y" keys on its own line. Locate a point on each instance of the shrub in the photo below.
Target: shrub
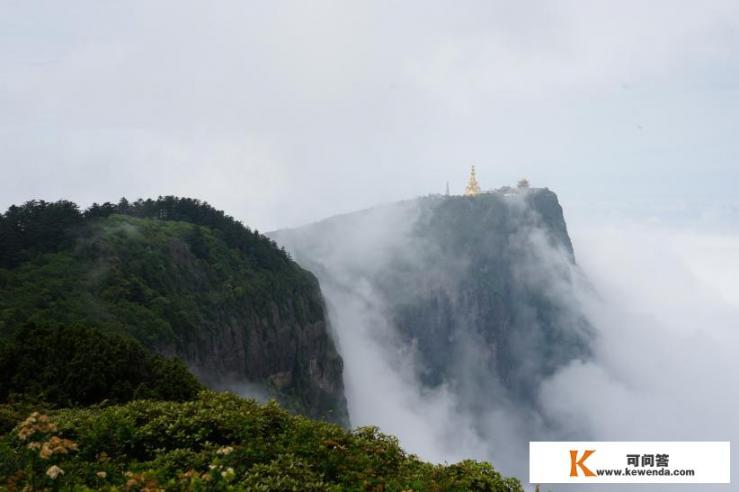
{"x": 223, "y": 442}
{"x": 72, "y": 366}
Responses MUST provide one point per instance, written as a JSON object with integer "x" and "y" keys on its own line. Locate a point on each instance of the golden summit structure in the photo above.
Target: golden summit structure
{"x": 473, "y": 188}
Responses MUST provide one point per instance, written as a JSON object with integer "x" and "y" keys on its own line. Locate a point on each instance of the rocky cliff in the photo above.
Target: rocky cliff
{"x": 476, "y": 291}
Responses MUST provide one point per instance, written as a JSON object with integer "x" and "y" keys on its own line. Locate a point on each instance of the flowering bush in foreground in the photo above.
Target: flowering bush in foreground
{"x": 218, "y": 442}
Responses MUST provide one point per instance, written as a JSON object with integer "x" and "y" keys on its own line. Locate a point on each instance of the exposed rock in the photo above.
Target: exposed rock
{"x": 479, "y": 289}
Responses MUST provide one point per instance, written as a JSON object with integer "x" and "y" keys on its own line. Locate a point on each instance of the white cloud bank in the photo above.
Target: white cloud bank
{"x": 666, "y": 361}
{"x": 665, "y": 304}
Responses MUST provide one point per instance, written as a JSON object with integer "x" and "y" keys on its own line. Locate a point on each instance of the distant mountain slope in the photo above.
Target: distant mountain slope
{"x": 183, "y": 279}
{"x": 477, "y": 291}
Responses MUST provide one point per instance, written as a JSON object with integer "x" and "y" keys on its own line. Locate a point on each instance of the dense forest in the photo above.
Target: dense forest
{"x": 71, "y": 366}
{"x": 39, "y": 227}
{"x": 182, "y": 279}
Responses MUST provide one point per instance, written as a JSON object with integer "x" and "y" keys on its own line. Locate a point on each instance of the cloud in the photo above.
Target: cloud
{"x": 356, "y": 104}
{"x": 662, "y": 303}
{"x": 665, "y": 362}
{"x": 452, "y": 390}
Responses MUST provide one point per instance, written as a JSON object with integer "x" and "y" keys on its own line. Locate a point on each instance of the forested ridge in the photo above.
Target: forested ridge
{"x": 38, "y": 227}
{"x": 182, "y": 279}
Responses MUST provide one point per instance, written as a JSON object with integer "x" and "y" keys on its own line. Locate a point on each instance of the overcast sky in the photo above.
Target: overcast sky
{"x": 285, "y": 112}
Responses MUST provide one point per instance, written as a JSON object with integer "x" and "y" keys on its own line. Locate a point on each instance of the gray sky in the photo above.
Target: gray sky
{"x": 286, "y": 112}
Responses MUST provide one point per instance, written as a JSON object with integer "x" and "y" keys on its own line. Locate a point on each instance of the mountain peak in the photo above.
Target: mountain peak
{"x": 478, "y": 290}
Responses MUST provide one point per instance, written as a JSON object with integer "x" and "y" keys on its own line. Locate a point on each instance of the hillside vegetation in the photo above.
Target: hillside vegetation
{"x": 72, "y": 366}
{"x": 181, "y": 278}
{"x": 219, "y": 442}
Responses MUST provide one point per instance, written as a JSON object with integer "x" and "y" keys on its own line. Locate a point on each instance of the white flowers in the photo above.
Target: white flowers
{"x": 56, "y": 445}
{"x": 38, "y": 427}
{"x": 35, "y": 423}
{"x": 225, "y": 451}
{"x": 228, "y": 474}
{"x": 54, "y": 471}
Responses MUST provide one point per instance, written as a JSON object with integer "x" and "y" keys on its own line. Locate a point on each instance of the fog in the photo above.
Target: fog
{"x": 661, "y": 299}
{"x": 665, "y": 365}
{"x": 337, "y": 106}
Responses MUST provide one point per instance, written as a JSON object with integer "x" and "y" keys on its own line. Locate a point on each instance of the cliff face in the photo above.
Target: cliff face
{"x": 477, "y": 291}
{"x": 238, "y": 311}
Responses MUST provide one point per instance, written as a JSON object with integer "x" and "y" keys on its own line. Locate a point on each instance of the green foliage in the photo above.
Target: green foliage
{"x": 36, "y": 227}
{"x": 261, "y": 250}
{"x": 172, "y": 273}
{"x": 71, "y": 366}
{"x": 147, "y": 273}
{"x": 223, "y": 442}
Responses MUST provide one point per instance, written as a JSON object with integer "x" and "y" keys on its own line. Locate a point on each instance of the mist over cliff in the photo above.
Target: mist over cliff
{"x": 664, "y": 361}
{"x": 633, "y": 341}
{"x": 450, "y": 312}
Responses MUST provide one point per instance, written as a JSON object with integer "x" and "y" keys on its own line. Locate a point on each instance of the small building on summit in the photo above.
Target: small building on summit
{"x": 473, "y": 187}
